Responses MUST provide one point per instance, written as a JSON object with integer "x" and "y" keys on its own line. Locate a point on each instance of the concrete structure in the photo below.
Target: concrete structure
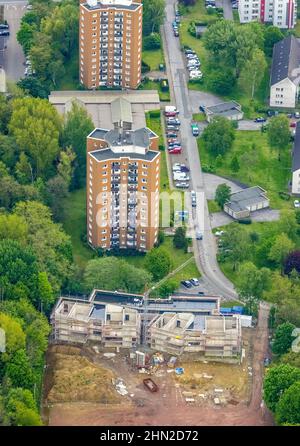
{"x": 296, "y": 162}
{"x": 242, "y": 203}
{"x": 193, "y": 326}
{"x": 179, "y": 333}
{"x": 280, "y": 13}
{"x": 285, "y": 73}
{"x": 81, "y": 321}
{"x": 110, "y": 48}
{"x": 123, "y": 171}
{"x": 230, "y": 110}
{"x": 99, "y": 106}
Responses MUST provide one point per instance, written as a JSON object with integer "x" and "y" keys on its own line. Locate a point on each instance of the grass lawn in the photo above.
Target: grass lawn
{"x": 258, "y": 165}
{"x": 74, "y": 224}
{"x": 213, "y": 206}
{"x": 153, "y": 58}
{"x": 199, "y": 117}
{"x": 151, "y": 85}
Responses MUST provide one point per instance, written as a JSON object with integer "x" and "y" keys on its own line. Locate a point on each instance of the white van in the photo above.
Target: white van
{"x": 170, "y": 109}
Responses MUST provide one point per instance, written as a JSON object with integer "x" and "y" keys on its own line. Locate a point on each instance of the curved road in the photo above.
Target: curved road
{"x": 205, "y": 250}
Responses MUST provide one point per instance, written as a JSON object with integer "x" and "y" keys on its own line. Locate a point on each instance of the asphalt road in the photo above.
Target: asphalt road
{"x": 13, "y": 58}
{"x": 205, "y": 250}
{"x": 227, "y": 10}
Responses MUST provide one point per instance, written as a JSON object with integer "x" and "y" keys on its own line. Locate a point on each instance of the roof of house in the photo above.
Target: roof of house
{"x": 241, "y": 200}
{"x": 121, "y": 111}
{"x": 105, "y": 154}
{"x": 229, "y": 108}
{"x": 296, "y": 150}
{"x": 286, "y": 60}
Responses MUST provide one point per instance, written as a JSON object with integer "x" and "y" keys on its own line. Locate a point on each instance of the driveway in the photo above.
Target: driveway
{"x": 13, "y": 58}
{"x": 218, "y": 219}
{"x": 212, "y": 182}
{"x": 197, "y": 98}
{"x": 227, "y": 10}
{"x": 247, "y": 124}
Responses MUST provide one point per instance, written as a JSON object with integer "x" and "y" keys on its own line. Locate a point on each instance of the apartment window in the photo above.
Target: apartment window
{"x": 126, "y": 317}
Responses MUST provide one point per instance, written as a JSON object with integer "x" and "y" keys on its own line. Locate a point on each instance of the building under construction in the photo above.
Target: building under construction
{"x": 178, "y": 325}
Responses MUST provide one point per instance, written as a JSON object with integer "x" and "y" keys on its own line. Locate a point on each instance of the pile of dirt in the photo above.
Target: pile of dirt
{"x": 77, "y": 379}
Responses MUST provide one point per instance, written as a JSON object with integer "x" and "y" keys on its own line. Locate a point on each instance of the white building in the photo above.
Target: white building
{"x": 296, "y": 163}
{"x": 285, "y": 73}
{"x": 281, "y": 13}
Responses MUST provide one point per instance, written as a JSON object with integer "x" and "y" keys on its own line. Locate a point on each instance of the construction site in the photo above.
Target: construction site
{"x": 151, "y": 373}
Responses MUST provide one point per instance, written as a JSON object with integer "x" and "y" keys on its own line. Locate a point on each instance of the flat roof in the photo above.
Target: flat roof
{"x": 240, "y": 200}
{"x": 105, "y": 96}
{"x": 103, "y": 154}
{"x": 121, "y": 111}
{"x": 116, "y": 4}
{"x": 224, "y": 108}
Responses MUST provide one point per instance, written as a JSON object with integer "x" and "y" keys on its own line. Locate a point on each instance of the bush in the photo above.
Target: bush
{"x": 145, "y": 67}
{"x": 155, "y": 114}
{"x": 245, "y": 221}
{"x": 284, "y": 195}
{"x": 221, "y": 81}
{"x": 152, "y": 42}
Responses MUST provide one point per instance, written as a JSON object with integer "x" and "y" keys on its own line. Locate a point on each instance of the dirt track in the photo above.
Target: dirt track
{"x": 169, "y": 408}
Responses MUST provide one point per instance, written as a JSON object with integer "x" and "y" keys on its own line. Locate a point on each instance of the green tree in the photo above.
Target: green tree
{"x": 288, "y": 223}
{"x": 278, "y": 131}
{"x": 280, "y": 249}
{"x": 19, "y": 371}
{"x": 36, "y": 126}
{"x": 253, "y": 72}
{"x": 283, "y": 338}
{"x": 13, "y": 227}
{"x": 180, "y": 240}
{"x": 277, "y": 380}
{"x": 288, "y": 407}
{"x": 221, "y": 81}
{"x": 112, "y": 273}
{"x": 235, "y": 165}
{"x": 236, "y": 242}
{"x": 218, "y": 136}
{"x": 14, "y": 336}
{"x": 153, "y": 15}
{"x": 252, "y": 282}
{"x": 168, "y": 287}
{"x": 25, "y": 35}
{"x": 223, "y": 193}
{"x": 45, "y": 292}
{"x": 34, "y": 86}
{"x": 21, "y": 408}
{"x": 158, "y": 262}
{"x": 77, "y": 126}
{"x": 272, "y": 35}
{"x": 24, "y": 172}
{"x": 152, "y": 42}
{"x": 219, "y": 39}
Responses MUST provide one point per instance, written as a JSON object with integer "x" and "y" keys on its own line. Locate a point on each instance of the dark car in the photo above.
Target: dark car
{"x": 201, "y": 293}
{"x": 176, "y": 33}
{"x": 260, "y": 119}
{"x": 171, "y": 135}
{"x": 202, "y": 108}
{"x": 184, "y": 169}
{"x": 3, "y": 26}
{"x": 186, "y": 283}
{"x": 4, "y": 33}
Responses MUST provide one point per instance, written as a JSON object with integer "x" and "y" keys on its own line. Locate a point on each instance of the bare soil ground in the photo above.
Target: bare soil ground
{"x": 184, "y": 400}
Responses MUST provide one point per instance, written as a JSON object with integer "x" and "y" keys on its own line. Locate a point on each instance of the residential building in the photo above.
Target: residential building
{"x": 110, "y": 325}
{"x": 296, "y": 162}
{"x": 180, "y": 333}
{"x": 181, "y": 324}
{"x": 242, "y": 203}
{"x": 230, "y": 110}
{"x": 123, "y": 175}
{"x": 110, "y": 48}
{"x": 285, "y": 73}
{"x": 280, "y": 13}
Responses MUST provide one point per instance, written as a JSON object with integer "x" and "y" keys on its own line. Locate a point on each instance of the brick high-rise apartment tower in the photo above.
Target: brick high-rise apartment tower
{"x": 123, "y": 168}
{"x": 110, "y": 48}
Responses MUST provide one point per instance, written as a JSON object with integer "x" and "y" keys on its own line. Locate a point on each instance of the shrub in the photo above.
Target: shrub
{"x": 245, "y": 221}
{"x": 152, "y": 42}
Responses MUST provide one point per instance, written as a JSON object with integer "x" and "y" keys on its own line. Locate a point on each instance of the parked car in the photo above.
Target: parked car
{"x": 171, "y": 114}
{"x": 4, "y": 32}
{"x": 171, "y": 135}
{"x": 186, "y": 283}
{"x": 189, "y": 51}
{"x": 4, "y": 26}
{"x": 293, "y": 125}
{"x": 175, "y": 151}
{"x": 193, "y": 198}
{"x": 196, "y": 75}
{"x": 173, "y": 140}
{"x": 176, "y": 33}
{"x": 296, "y": 203}
{"x": 174, "y": 121}
{"x": 202, "y": 108}
{"x": 182, "y": 185}
{"x": 194, "y": 281}
{"x": 297, "y": 115}
{"x": 184, "y": 168}
{"x": 172, "y": 127}
{"x": 260, "y": 119}
{"x": 195, "y": 129}
{"x": 199, "y": 235}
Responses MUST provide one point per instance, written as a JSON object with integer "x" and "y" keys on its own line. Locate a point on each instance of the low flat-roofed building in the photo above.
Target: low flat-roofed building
{"x": 242, "y": 203}
{"x": 296, "y": 162}
{"x": 230, "y": 110}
